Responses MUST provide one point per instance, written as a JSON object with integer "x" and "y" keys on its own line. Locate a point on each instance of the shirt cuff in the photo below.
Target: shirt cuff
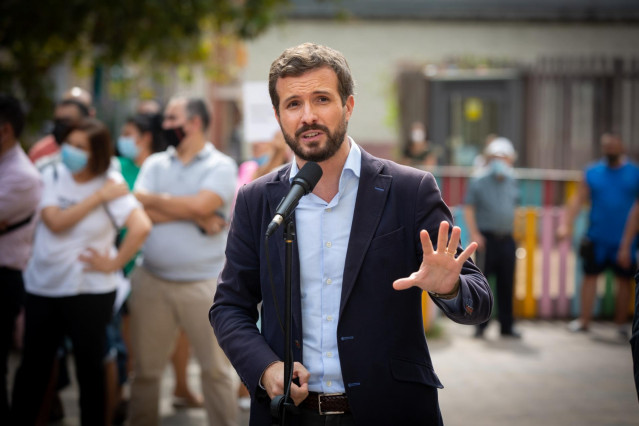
{"x": 451, "y": 303}
{"x": 260, "y": 381}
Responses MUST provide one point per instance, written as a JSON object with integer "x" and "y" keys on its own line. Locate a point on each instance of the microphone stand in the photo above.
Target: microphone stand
{"x": 283, "y": 403}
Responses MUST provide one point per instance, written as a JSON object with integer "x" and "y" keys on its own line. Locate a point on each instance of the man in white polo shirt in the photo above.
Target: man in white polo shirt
{"x": 186, "y": 191}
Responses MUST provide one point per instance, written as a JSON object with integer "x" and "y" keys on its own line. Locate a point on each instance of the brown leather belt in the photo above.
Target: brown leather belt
{"x": 326, "y": 403}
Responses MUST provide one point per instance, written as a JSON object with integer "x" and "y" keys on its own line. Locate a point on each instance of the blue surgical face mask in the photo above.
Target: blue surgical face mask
{"x": 127, "y": 147}
{"x": 500, "y": 168}
{"x": 263, "y": 159}
{"x": 74, "y": 158}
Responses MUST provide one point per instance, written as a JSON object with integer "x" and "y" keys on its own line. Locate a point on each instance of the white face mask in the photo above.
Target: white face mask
{"x": 418, "y": 135}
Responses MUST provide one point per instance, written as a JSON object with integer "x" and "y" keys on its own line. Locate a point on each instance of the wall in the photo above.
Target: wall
{"x": 374, "y": 49}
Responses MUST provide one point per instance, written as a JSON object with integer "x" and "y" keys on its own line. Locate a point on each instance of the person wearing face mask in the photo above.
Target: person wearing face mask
{"x": 610, "y": 185}
{"x": 267, "y": 156}
{"x": 418, "y": 152}
{"x": 184, "y": 189}
{"x": 75, "y": 105}
{"x": 139, "y": 138}
{"x": 71, "y": 278}
{"x": 489, "y": 211}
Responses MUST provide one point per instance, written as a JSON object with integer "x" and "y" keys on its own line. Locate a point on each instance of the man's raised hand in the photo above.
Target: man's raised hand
{"x": 440, "y": 269}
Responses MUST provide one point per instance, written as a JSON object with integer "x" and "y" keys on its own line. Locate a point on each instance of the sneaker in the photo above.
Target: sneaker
{"x": 192, "y": 401}
{"x": 623, "y": 332}
{"x": 576, "y": 326}
{"x": 512, "y": 334}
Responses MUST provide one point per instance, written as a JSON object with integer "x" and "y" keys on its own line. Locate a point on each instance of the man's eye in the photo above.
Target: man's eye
{"x": 292, "y": 104}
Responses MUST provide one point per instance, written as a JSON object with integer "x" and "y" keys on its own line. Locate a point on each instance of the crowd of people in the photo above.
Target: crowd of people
{"x": 113, "y": 247}
{"x": 114, "y": 258}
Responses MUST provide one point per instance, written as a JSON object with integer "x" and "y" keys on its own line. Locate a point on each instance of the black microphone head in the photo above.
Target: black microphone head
{"x": 308, "y": 176}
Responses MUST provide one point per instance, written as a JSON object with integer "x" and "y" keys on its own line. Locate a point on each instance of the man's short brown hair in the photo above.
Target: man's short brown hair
{"x": 99, "y": 142}
{"x": 297, "y": 60}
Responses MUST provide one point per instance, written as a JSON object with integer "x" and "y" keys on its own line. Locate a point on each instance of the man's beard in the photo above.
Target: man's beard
{"x": 333, "y": 141}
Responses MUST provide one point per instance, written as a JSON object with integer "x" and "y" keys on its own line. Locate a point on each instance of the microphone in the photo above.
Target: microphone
{"x": 303, "y": 183}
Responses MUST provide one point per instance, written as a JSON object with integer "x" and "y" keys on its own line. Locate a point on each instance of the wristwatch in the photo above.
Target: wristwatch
{"x": 447, "y": 296}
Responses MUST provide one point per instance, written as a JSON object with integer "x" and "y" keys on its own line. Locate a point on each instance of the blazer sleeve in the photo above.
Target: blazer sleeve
{"x": 234, "y": 313}
{"x": 475, "y": 299}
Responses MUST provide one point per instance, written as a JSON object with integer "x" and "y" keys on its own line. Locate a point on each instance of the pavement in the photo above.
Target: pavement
{"x": 549, "y": 377}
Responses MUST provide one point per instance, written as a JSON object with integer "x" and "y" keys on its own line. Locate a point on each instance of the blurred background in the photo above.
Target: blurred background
{"x": 551, "y": 76}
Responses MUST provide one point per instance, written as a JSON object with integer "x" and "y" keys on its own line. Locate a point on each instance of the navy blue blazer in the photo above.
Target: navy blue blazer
{"x": 386, "y": 365}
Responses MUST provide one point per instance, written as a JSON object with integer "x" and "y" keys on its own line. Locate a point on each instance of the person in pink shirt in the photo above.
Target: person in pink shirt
{"x": 19, "y": 197}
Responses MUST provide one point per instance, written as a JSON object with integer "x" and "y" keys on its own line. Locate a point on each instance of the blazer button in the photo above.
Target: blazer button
{"x": 297, "y": 344}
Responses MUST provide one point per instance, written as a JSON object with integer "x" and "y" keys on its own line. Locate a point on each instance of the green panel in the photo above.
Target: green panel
{"x": 608, "y": 301}
{"x": 531, "y": 192}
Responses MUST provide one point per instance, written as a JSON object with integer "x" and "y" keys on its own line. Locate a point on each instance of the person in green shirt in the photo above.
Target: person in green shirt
{"x": 140, "y": 137}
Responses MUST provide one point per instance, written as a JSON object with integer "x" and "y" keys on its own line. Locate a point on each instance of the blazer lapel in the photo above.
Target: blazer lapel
{"x": 275, "y": 191}
{"x": 371, "y": 199}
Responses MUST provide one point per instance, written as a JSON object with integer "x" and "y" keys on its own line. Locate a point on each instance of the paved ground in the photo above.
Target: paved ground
{"x": 550, "y": 377}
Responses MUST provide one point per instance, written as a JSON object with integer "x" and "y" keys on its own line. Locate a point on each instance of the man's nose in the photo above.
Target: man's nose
{"x": 309, "y": 116}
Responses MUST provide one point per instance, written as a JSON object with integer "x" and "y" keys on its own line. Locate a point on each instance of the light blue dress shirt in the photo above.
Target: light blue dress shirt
{"x": 323, "y": 232}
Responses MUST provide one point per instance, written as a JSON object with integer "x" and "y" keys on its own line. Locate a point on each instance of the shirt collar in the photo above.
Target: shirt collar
{"x": 353, "y": 161}
{"x": 203, "y": 153}
{"x": 12, "y": 152}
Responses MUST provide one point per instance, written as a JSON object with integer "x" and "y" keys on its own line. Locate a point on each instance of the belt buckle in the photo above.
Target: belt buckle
{"x": 319, "y": 404}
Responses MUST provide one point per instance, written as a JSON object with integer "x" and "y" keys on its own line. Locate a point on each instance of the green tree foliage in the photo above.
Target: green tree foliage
{"x": 36, "y": 35}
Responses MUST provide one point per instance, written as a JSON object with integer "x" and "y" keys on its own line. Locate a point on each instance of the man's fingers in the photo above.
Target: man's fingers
{"x": 299, "y": 393}
{"x": 301, "y": 373}
{"x": 404, "y": 283}
{"x": 442, "y": 237}
{"x": 427, "y": 245}
{"x": 465, "y": 255}
{"x": 454, "y": 240}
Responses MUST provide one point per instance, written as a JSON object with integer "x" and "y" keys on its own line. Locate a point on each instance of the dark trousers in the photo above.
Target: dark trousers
{"x": 83, "y": 318}
{"x": 11, "y": 297}
{"x": 498, "y": 258}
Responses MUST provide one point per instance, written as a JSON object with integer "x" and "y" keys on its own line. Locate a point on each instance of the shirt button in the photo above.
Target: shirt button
{"x": 328, "y": 210}
{"x": 329, "y": 355}
{"x": 329, "y": 383}
{"x": 329, "y": 244}
{"x": 329, "y": 281}
{"x": 329, "y": 318}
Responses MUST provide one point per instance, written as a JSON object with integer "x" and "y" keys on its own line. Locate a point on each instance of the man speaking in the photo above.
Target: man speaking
{"x": 371, "y": 237}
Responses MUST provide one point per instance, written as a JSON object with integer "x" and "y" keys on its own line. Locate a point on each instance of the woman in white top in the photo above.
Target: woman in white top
{"x": 72, "y": 276}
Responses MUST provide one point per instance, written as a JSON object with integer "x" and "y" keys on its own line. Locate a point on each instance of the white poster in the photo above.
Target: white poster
{"x": 259, "y": 118}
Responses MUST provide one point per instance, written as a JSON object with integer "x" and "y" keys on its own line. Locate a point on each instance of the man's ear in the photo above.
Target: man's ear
{"x": 277, "y": 115}
{"x": 350, "y": 104}
{"x": 193, "y": 123}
